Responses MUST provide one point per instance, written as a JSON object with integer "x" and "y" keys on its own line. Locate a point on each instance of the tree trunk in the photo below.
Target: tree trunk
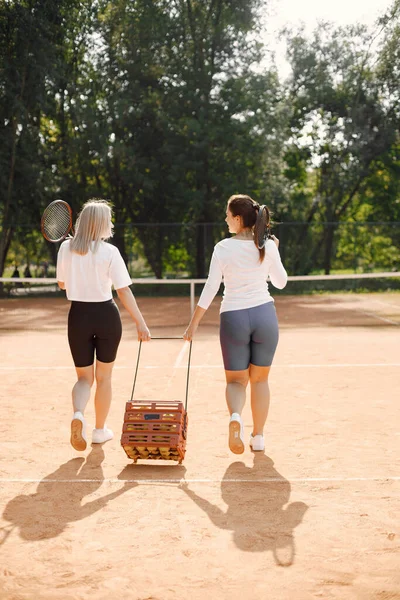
{"x": 329, "y": 236}
{"x": 6, "y": 233}
{"x": 153, "y": 246}
{"x": 302, "y": 237}
{"x": 6, "y": 238}
{"x": 119, "y": 242}
{"x": 326, "y": 241}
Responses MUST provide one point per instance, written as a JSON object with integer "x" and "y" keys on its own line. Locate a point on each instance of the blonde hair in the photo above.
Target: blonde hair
{"x": 92, "y": 225}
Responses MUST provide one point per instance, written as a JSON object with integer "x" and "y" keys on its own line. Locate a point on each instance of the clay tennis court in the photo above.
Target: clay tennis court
{"x": 316, "y": 516}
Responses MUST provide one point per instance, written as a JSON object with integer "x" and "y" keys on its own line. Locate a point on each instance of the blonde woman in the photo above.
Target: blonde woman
{"x": 87, "y": 267}
{"x": 248, "y": 323}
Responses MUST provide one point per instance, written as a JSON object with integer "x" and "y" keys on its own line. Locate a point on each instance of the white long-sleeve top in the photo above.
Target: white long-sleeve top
{"x": 237, "y": 262}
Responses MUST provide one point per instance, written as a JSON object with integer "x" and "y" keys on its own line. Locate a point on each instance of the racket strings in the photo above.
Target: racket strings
{"x": 56, "y": 222}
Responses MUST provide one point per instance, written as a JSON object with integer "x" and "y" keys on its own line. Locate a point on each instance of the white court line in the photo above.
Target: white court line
{"x": 200, "y": 480}
{"x": 370, "y": 314}
{"x": 384, "y": 303}
{"x": 218, "y": 366}
{"x": 290, "y": 366}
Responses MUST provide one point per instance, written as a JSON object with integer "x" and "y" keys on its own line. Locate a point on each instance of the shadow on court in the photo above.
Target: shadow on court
{"x": 57, "y": 502}
{"x": 255, "y": 510}
{"x": 158, "y": 473}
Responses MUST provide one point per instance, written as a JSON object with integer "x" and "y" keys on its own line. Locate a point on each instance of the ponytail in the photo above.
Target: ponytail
{"x": 254, "y": 217}
{"x": 262, "y": 229}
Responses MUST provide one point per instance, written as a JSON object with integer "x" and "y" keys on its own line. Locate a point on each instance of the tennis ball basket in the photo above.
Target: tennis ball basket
{"x": 156, "y": 429}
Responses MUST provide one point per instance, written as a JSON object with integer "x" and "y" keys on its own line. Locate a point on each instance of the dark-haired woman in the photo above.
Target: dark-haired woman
{"x": 248, "y": 324}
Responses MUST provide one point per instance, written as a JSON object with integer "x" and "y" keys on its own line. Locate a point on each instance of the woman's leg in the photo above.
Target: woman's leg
{"x": 81, "y": 389}
{"x": 80, "y": 398}
{"x": 235, "y": 346}
{"x": 236, "y": 383}
{"x": 81, "y": 343}
{"x": 103, "y": 396}
{"x": 264, "y": 341}
{"x": 108, "y": 337}
{"x": 260, "y": 397}
{"x": 234, "y": 335}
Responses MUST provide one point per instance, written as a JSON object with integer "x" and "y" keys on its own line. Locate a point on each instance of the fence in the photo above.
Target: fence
{"x": 25, "y": 286}
{"x": 181, "y": 250}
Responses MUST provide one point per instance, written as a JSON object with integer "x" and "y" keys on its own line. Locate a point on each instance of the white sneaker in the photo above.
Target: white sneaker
{"x": 257, "y": 443}
{"x": 78, "y": 432}
{"x": 99, "y": 436}
{"x": 236, "y": 434}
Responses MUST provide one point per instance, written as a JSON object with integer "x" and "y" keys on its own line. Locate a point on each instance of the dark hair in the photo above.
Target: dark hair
{"x": 253, "y": 216}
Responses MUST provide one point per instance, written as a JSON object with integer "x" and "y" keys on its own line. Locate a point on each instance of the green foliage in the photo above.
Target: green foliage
{"x": 158, "y": 107}
{"x": 344, "y": 126}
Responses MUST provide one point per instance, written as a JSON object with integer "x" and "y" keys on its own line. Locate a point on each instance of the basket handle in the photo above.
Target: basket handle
{"x": 188, "y": 368}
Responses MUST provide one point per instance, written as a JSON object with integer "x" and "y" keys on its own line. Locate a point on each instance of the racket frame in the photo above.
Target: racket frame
{"x": 69, "y": 209}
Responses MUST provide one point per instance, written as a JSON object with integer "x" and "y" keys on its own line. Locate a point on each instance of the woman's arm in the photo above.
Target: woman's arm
{"x": 210, "y": 289}
{"x": 277, "y": 271}
{"x": 61, "y": 285}
{"x": 129, "y": 302}
{"x": 194, "y": 323}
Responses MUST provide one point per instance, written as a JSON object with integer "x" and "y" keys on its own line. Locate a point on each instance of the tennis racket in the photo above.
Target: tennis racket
{"x": 56, "y": 221}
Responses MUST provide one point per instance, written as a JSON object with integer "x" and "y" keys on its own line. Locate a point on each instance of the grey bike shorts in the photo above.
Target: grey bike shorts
{"x": 249, "y": 335}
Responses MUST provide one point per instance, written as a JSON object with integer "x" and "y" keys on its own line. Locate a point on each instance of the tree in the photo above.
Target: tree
{"x": 31, "y": 39}
{"x": 342, "y": 125}
{"x": 177, "y": 118}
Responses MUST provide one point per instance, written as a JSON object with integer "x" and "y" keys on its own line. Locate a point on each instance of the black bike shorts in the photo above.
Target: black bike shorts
{"x": 94, "y": 328}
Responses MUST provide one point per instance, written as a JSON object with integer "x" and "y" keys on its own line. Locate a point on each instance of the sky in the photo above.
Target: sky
{"x": 293, "y": 12}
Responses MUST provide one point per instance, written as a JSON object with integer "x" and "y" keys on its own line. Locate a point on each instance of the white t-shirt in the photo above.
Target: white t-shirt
{"x": 245, "y": 278}
{"x": 89, "y": 277}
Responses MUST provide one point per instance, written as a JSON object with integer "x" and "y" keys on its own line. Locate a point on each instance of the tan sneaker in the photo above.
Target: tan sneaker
{"x": 236, "y": 437}
{"x": 257, "y": 443}
{"x": 99, "y": 436}
{"x": 78, "y": 432}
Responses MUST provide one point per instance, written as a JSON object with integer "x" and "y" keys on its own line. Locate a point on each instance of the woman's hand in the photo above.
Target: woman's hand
{"x": 143, "y": 332}
{"x": 275, "y": 240}
{"x": 129, "y": 302}
{"x": 194, "y": 323}
{"x": 189, "y": 333}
